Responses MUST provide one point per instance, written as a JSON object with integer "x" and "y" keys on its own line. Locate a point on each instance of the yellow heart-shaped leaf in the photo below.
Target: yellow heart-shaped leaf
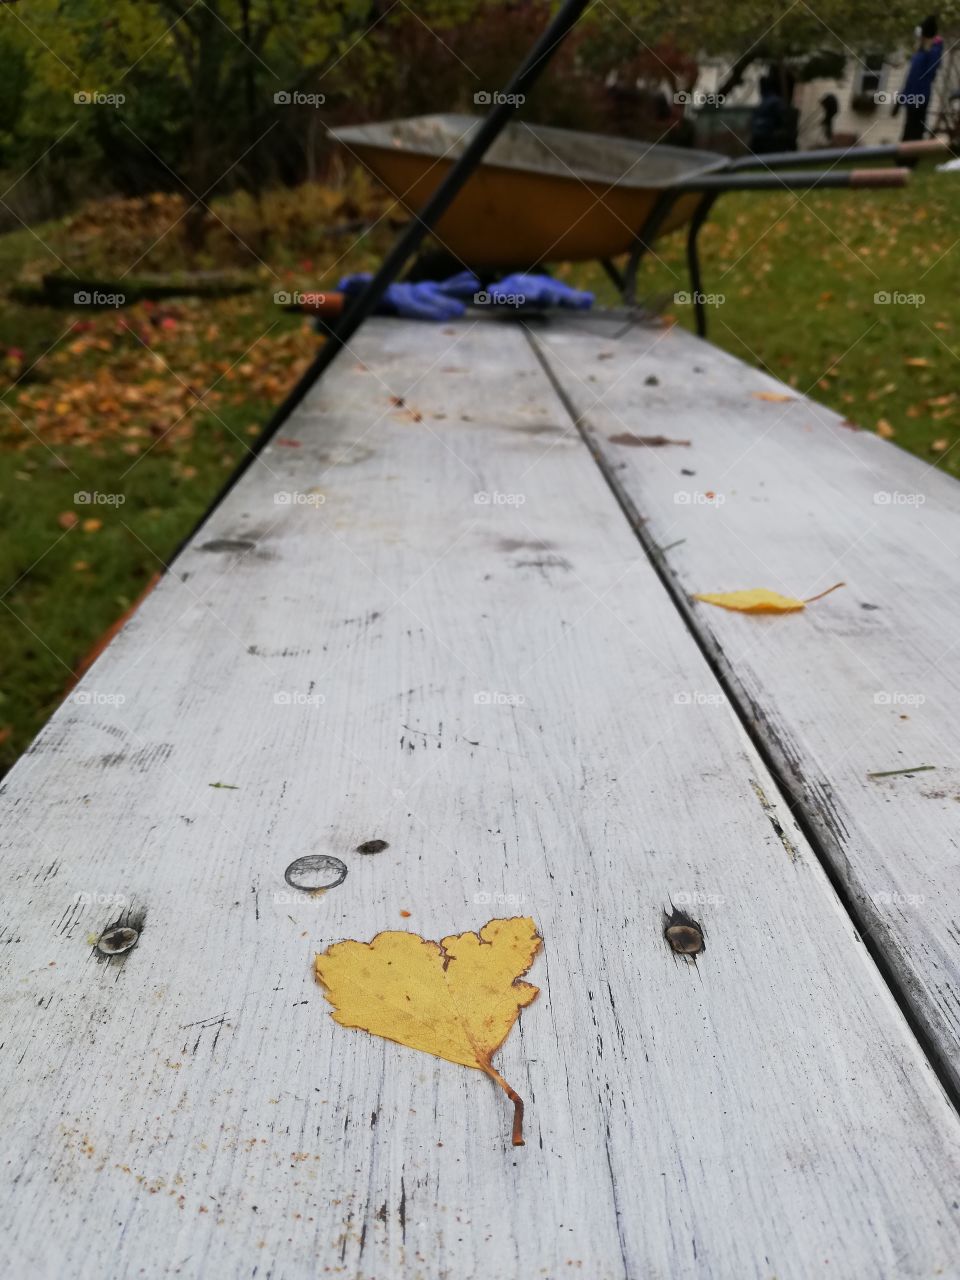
{"x": 457, "y": 999}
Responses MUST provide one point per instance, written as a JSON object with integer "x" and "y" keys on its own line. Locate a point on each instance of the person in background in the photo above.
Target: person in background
{"x": 831, "y": 108}
{"x": 768, "y": 120}
{"x": 918, "y": 86}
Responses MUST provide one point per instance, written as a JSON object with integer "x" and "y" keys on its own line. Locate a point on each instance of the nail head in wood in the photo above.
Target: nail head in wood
{"x": 114, "y": 941}
{"x": 315, "y": 871}
{"x": 684, "y": 935}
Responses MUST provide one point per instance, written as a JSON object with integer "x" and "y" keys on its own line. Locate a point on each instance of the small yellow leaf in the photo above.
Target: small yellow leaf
{"x": 917, "y": 362}
{"x": 759, "y": 600}
{"x": 884, "y": 429}
{"x": 776, "y": 396}
{"x": 457, "y": 999}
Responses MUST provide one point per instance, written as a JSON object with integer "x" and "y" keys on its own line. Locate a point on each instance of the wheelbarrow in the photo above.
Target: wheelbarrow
{"x": 543, "y": 194}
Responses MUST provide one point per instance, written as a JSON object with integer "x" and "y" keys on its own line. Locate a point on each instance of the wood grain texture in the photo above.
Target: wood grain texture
{"x": 863, "y": 682}
{"x": 510, "y": 700}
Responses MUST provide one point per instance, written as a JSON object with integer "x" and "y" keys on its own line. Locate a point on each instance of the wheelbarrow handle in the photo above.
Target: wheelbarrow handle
{"x": 924, "y": 147}
{"x": 793, "y": 181}
{"x": 879, "y": 177}
{"x": 888, "y": 151}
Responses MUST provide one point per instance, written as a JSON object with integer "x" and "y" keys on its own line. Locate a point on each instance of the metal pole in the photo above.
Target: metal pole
{"x": 523, "y": 78}
{"x": 899, "y": 151}
{"x": 364, "y": 303}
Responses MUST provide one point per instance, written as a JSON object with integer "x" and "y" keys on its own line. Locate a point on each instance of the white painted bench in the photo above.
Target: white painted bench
{"x": 463, "y": 650}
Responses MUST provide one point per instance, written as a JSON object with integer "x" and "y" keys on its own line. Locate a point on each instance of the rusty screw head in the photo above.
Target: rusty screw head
{"x": 686, "y": 939}
{"x": 372, "y": 846}
{"x": 116, "y": 940}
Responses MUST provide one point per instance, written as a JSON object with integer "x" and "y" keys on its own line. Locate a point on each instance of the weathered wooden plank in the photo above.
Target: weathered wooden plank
{"x": 510, "y": 699}
{"x": 783, "y": 494}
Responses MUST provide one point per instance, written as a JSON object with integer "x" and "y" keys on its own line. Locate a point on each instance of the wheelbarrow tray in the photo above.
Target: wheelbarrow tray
{"x": 541, "y": 194}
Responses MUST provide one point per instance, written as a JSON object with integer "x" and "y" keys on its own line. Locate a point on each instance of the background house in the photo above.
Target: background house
{"x": 864, "y": 92}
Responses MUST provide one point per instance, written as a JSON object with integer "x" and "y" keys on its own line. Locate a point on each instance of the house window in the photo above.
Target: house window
{"x": 870, "y": 75}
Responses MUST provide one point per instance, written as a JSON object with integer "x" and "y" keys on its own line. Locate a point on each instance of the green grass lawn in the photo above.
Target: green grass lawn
{"x": 107, "y": 402}
{"x": 798, "y": 277}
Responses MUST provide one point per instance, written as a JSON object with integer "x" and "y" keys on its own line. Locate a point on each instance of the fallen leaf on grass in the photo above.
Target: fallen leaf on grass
{"x": 884, "y": 430}
{"x": 940, "y": 446}
{"x": 67, "y": 519}
{"x": 457, "y": 999}
{"x": 917, "y": 362}
{"x": 760, "y": 600}
{"x": 777, "y": 397}
{"x": 645, "y": 442}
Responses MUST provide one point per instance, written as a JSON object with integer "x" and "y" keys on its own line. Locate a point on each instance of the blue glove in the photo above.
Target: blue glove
{"x": 462, "y": 286}
{"x": 538, "y": 291}
{"x": 427, "y": 300}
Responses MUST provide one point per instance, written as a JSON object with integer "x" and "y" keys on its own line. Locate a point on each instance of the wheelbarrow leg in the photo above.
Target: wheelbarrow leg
{"x": 701, "y": 213}
{"x": 613, "y": 272}
{"x": 645, "y": 238}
